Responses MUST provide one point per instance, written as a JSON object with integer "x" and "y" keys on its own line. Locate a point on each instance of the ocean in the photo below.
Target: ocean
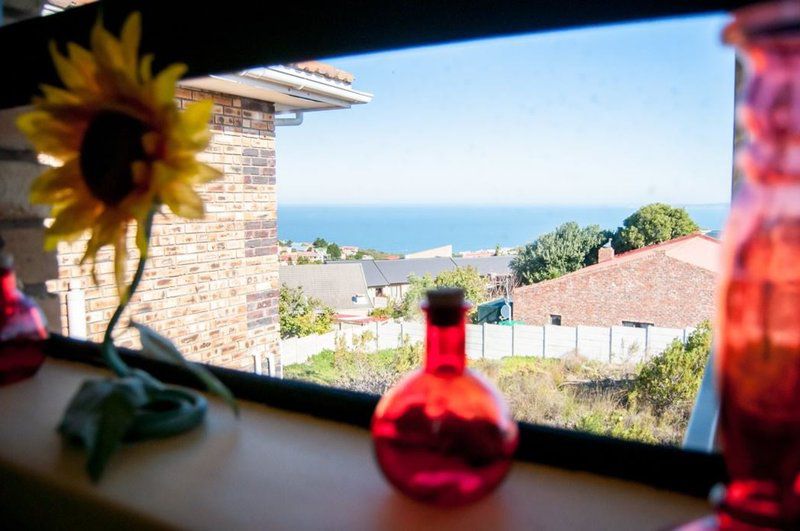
{"x": 408, "y": 228}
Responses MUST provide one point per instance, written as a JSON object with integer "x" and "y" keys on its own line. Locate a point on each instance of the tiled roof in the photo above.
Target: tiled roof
{"x": 334, "y": 284}
{"x": 397, "y": 271}
{"x": 487, "y": 265}
{"x": 380, "y": 273}
{"x": 696, "y": 249}
{"x": 373, "y": 274}
{"x": 324, "y": 70}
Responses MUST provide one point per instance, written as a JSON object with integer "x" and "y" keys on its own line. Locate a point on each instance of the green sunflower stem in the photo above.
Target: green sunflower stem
{"x": 109, "y": 351}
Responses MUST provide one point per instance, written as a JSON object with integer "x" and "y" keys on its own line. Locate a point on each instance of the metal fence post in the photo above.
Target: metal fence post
{"x": 544, "y": 341}
{"x": 610, "y": 343}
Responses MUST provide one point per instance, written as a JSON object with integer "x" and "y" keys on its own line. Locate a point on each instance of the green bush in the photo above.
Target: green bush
{"x": 301, "y": 315}
{"x": 387, "y": 312}
{"x": 670, "y": 381}
{"x": 466, "y": 278}
{"x": 573, "y": 392}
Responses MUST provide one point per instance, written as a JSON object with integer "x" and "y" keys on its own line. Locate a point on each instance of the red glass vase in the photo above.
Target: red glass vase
{"x": 22, "y": 329}
{"x": 443, "y": 435}
{"x": 758, "y": 322}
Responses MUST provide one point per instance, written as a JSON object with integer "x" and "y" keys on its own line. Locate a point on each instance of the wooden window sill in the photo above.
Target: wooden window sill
{"x": 273, "y": 469}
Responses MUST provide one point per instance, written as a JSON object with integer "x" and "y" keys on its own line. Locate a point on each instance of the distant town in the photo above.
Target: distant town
{"x": 320, "y": 250}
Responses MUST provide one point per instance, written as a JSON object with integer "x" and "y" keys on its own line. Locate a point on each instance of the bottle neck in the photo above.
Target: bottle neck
{"x": 445, "y": 348}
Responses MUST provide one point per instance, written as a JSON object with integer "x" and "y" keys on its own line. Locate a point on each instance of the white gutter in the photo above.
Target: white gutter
{"x": 304, "y": 82}
{"x": 289, "y": 89}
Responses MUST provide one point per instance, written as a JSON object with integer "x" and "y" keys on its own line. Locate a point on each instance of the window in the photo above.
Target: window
{"x": 380, "y": 196}
{"x": 636, "y": 324}
{"x": 527, "y": 189}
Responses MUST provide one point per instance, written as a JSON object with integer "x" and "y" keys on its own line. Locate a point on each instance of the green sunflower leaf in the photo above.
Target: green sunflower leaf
{"x": 99, "y": 416}
{"x": 156, "y": 346}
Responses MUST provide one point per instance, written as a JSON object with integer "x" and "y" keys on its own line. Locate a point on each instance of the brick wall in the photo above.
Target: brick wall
{"x": 211, "y": 285}
{"x": 654, "y": 289}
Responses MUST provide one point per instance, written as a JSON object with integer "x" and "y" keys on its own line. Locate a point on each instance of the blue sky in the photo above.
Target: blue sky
{"x": 619, "y": 115}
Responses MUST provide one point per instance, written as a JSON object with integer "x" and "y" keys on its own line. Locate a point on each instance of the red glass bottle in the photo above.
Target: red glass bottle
{"x": 443, "y": 435}
{"x": 758, "y": 322}
{"x": 22, "y": 328}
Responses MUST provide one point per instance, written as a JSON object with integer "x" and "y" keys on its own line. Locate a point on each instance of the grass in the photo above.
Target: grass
{"x": 572, "y": 392}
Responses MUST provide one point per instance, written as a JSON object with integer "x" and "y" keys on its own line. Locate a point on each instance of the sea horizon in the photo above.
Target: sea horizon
{"x": 403, "y": 227}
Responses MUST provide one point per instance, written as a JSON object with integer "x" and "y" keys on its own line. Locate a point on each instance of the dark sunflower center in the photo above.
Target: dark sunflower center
{"x": 113, "y": 141}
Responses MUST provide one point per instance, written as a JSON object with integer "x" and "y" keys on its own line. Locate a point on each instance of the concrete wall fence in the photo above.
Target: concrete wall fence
{"x": 616, "y": 344}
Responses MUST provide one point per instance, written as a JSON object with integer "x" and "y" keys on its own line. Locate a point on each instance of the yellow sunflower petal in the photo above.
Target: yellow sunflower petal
{"x": 197, "y": 115}
{"x": 57, "y": 184}
{"x": 146, "y": 68}
{"x": 70, "y": 76}
{"x": 130, "y": 37}
{"x": 81, "y": 58}
{"x": 104, "y": 233}
{"x": 70, "y": 223}
{"x": 120, "y": 263}
{"x": 182, "y": 200}
{"x": 59, "y": 96}
{"x": 205, "y": 173}
{"x": 164, "y": 84}
{"x": 106, "y": 49}
{"x": 50, "y": 136}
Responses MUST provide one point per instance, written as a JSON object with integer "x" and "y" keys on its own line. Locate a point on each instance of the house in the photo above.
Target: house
{"x": 671, "y": 284}
{"x": 388, "y": 280}
{"x": 300, "y": 257}
{"x": 211, "y": 285}
{"x": 445, "y": 251}
{"x": 341, "y": 286}
{"x": 348, "y": 251}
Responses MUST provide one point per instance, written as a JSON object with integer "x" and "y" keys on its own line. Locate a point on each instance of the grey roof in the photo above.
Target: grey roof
{"x": 487, "y": 265}
{"x": 380, "y": 273}
{"x": 397, "y": 271}
{"x": 373, "y": 274}
{"x": 334, "y": 284}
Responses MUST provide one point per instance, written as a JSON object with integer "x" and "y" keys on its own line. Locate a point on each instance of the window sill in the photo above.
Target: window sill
{"x": 273, "y": 469}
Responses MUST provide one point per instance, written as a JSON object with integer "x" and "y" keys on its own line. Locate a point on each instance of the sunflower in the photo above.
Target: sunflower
{"x": 125, "y": 147}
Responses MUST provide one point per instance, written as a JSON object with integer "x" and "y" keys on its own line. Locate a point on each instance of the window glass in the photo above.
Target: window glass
{"x": 530, "y": 171}
{"x": 532, "y": 166}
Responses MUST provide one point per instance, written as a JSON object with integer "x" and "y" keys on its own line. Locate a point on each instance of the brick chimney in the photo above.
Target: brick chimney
{"x": 605, "y": 253}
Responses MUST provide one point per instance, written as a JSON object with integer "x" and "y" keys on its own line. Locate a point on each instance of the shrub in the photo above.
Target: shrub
{"x": 567, "y": 248}
{"x": 654, "y": 223}
{"x": 670, "y": 381}
{"x": 387, "y": 312}
{"x": 301, "y": 315}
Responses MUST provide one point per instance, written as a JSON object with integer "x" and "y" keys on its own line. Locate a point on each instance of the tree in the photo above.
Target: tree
{"x": 568, "y": 248}
{"x": 654, "y": 223}
{"x": 301, "y": 315}
{"x": 320, "y": 243}
{"x": 334, "y": 252}
{"x": 670, "y": 381}
{"x": 466, "y": 278}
